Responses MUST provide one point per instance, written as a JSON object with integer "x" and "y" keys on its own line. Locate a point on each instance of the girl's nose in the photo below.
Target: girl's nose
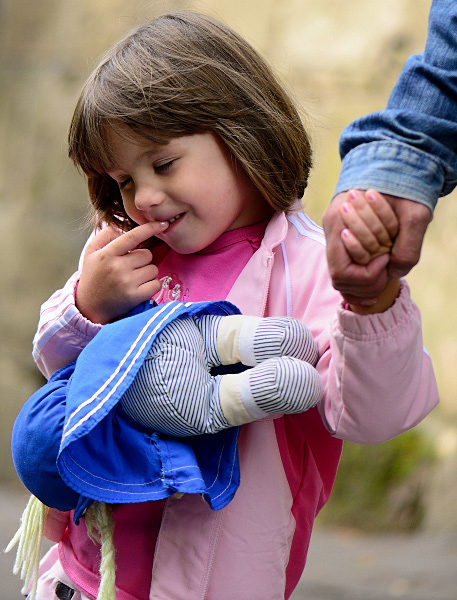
{"x": 148, "y": 196}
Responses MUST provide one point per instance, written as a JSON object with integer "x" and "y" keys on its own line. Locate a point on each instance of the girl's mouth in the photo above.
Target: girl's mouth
{"x": 173, "y": 219}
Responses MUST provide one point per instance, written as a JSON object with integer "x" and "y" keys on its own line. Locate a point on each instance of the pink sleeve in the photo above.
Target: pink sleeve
{"x": 55, "y": 524}
{"x": 379, "y": 379}
{"x": 62, "y": 330}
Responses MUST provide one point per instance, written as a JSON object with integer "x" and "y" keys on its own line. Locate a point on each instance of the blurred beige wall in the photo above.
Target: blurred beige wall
{"x": 339, "y": 58}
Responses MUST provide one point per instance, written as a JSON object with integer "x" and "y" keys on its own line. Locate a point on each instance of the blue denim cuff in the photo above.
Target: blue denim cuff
{"x": 393, "y": 168}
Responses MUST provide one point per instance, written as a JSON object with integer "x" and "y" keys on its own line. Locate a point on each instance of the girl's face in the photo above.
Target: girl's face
{"x": 190, "y": 182}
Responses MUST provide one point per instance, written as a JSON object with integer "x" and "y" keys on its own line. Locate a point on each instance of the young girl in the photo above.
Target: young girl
{"x": 192, "y": 148}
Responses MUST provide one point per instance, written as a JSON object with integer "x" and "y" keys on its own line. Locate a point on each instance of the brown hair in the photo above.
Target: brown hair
{"x": 181, "y": 74}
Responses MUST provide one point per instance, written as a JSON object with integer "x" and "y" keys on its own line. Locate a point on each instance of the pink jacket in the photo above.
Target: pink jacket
{"x": 378, "y": 381}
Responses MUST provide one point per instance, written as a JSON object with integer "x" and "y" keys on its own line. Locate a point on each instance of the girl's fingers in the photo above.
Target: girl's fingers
{"x": 354, "y": 248}
{"x": 384, "y": 211}
{"x": 135, "y": 259}
{"x": 102, "y": 239}
{"x": 130, "y": 240}
{"x": 118, "y": 243}
{"x": 143, "y": 275}
{"x": 358, "y": 253}
{"x": 373, "y": 220}
{"x": 365, "y": 226}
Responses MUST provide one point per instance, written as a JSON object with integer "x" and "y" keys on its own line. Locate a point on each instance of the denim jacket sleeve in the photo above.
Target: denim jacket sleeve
{"x": 410, "y": 148}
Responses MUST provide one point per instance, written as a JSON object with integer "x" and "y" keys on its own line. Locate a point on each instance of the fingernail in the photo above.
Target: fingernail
{"x": 164, "y": 224}
{"x": 347, "y": 207}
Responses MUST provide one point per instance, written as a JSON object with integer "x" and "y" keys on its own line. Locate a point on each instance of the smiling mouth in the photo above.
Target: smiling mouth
{"x": 173, "y": 219}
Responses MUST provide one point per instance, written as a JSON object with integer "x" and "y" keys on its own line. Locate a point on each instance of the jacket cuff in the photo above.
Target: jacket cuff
{"x": 368, "y": 327}
{"x": 395, "y": 169}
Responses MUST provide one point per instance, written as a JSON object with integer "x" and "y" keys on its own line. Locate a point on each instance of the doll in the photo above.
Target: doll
{"x": 155, "y": 384}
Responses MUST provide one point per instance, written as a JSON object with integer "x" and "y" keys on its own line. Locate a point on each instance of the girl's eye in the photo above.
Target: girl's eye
{"x": 162, "y": 168}
{"x": 124, "y": 183}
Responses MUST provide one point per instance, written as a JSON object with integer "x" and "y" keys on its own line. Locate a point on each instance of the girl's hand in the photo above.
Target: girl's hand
{"x": 370, "y": 229}
{"x": 371, "y": 226}
{"x": 116, "y": 274}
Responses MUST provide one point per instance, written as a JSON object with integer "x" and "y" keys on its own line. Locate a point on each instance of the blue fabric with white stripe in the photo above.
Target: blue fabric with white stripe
{"x": 103, "y": 454}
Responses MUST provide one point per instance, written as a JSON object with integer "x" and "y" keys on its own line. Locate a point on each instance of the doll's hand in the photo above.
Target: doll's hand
{"x": 370, "y": 230}
{"x": 116, "y": 274}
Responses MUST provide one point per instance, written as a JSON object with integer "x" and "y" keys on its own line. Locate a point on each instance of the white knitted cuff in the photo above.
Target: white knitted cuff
{"x": 235, "y": 339}
{"x": 236, "y": 400}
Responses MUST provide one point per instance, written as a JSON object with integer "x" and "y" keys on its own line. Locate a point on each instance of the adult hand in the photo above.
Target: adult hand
{"x": 117, "y": 274}
{"x": 362, "y": 284}
{"x": 414, "y": 219}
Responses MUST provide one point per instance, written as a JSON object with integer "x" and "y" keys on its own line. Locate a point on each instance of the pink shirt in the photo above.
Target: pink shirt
{"x": 210, "y": 273}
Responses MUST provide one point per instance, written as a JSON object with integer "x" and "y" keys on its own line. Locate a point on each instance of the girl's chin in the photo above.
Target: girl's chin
{"x": 183, "y": 247}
